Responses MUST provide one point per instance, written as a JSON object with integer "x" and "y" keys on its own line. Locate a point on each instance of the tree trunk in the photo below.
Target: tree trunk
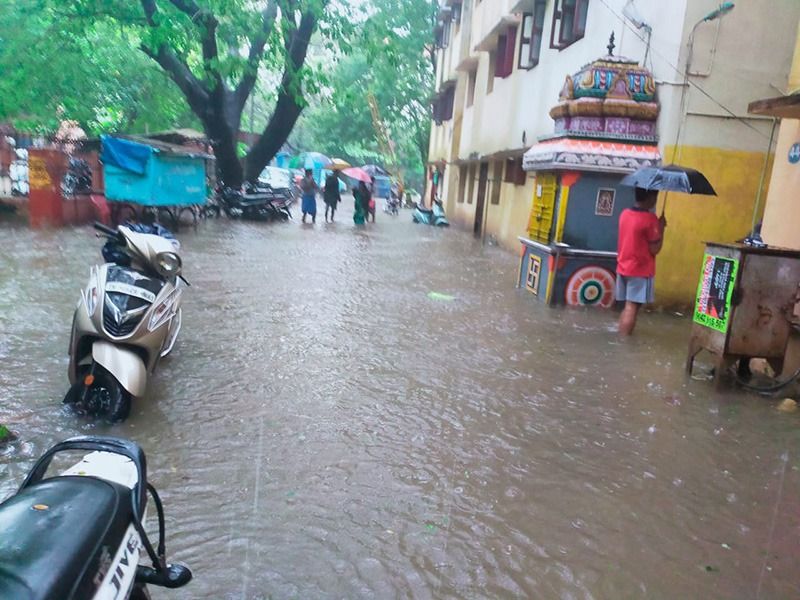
{"x": 283, "y": 120}
{"x": 290, "y": 101}
{"x": 221, "y": 121}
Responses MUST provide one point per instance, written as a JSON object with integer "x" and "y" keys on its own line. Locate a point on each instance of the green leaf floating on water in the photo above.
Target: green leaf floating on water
{"x": 440, "y": 297}
{"x": 5, "y": 434}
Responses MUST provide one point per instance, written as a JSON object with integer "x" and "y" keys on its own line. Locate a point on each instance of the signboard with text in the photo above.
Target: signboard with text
{"x": 715, "y": 291}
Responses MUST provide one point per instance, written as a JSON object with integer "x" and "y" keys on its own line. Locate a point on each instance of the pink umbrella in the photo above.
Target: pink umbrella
{"x": 357, "y": 174}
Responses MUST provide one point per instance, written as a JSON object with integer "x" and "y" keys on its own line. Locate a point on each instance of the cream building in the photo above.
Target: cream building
{"x": 502, "y": 63}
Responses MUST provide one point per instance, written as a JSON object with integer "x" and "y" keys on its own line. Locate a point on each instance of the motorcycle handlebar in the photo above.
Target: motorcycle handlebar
{"x": 104, "y": 229}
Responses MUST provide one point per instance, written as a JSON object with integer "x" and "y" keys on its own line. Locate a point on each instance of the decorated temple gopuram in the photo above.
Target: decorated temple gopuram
{"x": 605, "y": 128}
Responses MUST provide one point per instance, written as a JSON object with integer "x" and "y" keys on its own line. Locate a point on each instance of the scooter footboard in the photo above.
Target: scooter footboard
{"x": 126, "y": 366}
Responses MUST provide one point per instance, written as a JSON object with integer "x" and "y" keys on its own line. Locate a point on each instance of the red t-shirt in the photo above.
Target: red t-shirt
{"x": 637, "y": 230}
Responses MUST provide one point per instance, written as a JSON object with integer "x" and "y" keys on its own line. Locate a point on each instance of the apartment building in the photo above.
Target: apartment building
{"x": 502, "y": 63}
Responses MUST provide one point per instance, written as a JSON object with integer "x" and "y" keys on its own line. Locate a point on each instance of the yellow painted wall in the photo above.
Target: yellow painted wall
{"x": 509, "y": 219}
{"x": 693, "y": 220}
{"x": 782, "y": 212}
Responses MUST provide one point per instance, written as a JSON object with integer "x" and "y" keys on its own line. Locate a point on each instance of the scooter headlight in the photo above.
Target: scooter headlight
{"x": 169, "y": 264}
{"x": 92, "y": 293}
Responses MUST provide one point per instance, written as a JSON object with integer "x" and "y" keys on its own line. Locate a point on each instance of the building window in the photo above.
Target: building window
{"x": 504, "y": 55}
{"x": 456, "y": 15}
{"x": 463, "y": 175}
{"x": 531, "y": 37}
{"x": 569, "y": 22}
{"x": 514, "y": 172}
{"x": 442, "y": 34}
{"x": 470, "y": 183}
{"x": 490, "y": 78}
{"x": 449, "y": 97}
{"x": 497, "y": 182}
{"x": 473, "y": 75}
{"x": 443, "y": 105}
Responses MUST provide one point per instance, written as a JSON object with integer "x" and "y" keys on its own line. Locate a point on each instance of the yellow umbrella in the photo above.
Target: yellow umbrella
{"x": 337, "y": 164}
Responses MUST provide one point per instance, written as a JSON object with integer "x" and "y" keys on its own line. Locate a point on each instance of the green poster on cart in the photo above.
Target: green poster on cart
{"x": 715, "y": 291}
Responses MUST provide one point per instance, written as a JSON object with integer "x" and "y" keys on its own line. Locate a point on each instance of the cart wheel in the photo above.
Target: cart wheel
{"x": 167, "y": 217}
{"x": 192, "y": 210}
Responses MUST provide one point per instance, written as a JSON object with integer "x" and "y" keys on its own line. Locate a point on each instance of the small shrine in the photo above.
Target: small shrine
{"x": 605, "y": 128}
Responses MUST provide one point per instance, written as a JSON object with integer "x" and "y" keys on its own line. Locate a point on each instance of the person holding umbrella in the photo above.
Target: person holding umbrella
{"x": 641, "y": 234}
{"x": 361, "y": 192}
{"x": 361, "y": 196}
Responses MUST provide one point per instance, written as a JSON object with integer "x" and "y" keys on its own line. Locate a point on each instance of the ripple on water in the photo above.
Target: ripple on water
{"x": 325, "y": 429}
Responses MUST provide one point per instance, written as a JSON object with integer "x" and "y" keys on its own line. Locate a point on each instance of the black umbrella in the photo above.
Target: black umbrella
{"x": 671, "y": 178}
{"x": 375, "y": 170}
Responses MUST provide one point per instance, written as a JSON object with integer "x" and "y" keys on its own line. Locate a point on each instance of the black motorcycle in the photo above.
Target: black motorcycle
{"x": 79, "y": 535}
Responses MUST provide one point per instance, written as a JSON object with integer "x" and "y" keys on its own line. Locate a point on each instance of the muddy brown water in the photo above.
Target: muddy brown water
{"x": 324, "y": 429}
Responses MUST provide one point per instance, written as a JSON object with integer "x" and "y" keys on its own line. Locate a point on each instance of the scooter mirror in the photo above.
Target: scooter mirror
{"x": 173, "y": 576}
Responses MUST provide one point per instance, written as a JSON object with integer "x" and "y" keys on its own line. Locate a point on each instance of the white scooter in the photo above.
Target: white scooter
{"x": 80, "y": 535}
{"x": 127, "y": 318}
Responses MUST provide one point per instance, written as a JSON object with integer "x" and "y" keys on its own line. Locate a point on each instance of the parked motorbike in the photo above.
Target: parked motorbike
{"x": 278, "y": 200}
{"x": 127, "y": 319}
{"x": 80, "y": 534}
{"x": 392, "y": 206}
{"x": 428, "y": 216}
{"x": 254, "y": 203}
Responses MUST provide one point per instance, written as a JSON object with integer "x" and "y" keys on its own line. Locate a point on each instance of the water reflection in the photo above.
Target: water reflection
{"x": 325, "y": 429}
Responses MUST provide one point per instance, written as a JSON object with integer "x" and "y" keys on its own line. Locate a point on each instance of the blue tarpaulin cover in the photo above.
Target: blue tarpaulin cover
{"x": 127, "y": 155}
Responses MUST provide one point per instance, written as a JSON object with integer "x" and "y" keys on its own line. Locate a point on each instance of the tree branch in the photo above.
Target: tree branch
{"x": 250, "y": 76}
{"x": 290, "y": 98}
{"x": 196, "y": 95}
{"x": 150, "y": 10}
{"x": 188, "y": 7}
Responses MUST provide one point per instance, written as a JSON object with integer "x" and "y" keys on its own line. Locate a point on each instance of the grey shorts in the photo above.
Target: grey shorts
{"x": 635, "y": 289}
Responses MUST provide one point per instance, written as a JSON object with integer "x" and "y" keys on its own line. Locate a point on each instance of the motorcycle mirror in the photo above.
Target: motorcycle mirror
{"x": 171, "y": 577}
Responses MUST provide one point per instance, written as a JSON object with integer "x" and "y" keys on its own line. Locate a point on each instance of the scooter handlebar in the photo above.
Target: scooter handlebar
{"x": 105, "y": 229}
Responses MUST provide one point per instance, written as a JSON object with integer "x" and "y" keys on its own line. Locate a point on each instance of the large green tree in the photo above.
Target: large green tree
{"x": 214, "y": 50}
{"x": 49, "y": 71}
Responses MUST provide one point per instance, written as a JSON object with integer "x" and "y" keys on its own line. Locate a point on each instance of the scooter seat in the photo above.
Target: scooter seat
{"x": 54, "y": 534}
{"x": 425, "y": 211}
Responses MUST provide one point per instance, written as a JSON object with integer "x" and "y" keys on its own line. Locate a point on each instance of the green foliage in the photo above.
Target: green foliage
{"x": 389, "y": 58}
{"x": 52, "y": 70}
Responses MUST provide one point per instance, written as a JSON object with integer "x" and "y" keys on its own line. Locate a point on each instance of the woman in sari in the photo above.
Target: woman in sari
{"x": 361, "y": 196}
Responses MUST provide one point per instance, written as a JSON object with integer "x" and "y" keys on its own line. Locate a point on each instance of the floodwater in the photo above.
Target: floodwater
{"x": 324, "y": 429}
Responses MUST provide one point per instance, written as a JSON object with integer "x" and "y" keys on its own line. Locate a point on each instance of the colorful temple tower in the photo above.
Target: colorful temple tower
{"x": 605, "y": 128}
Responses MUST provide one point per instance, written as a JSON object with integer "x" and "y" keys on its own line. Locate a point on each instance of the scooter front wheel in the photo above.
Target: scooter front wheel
{"x": 103, "y": 396}
{"x": 117, "y": 400}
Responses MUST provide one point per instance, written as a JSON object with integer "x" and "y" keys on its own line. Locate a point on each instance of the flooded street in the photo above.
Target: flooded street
{"x": 325, "y": 429}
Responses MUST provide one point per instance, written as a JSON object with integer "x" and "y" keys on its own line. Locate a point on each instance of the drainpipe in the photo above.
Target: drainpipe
{"x": 763, "y": 176}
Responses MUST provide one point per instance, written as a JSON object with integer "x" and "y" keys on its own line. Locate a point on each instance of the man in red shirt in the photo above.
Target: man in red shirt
{"x": 641, "y": 234}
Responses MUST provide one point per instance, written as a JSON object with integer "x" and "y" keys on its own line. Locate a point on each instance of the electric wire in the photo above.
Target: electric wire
{"x": 678, "y": 71}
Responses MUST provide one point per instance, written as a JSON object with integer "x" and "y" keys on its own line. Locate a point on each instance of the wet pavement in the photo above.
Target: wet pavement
{"x": 325, "y": 429}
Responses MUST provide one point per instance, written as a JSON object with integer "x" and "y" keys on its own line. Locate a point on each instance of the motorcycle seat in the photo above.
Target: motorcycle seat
{"x": 426, "y": 211}
{"x": 54, "y": 533}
